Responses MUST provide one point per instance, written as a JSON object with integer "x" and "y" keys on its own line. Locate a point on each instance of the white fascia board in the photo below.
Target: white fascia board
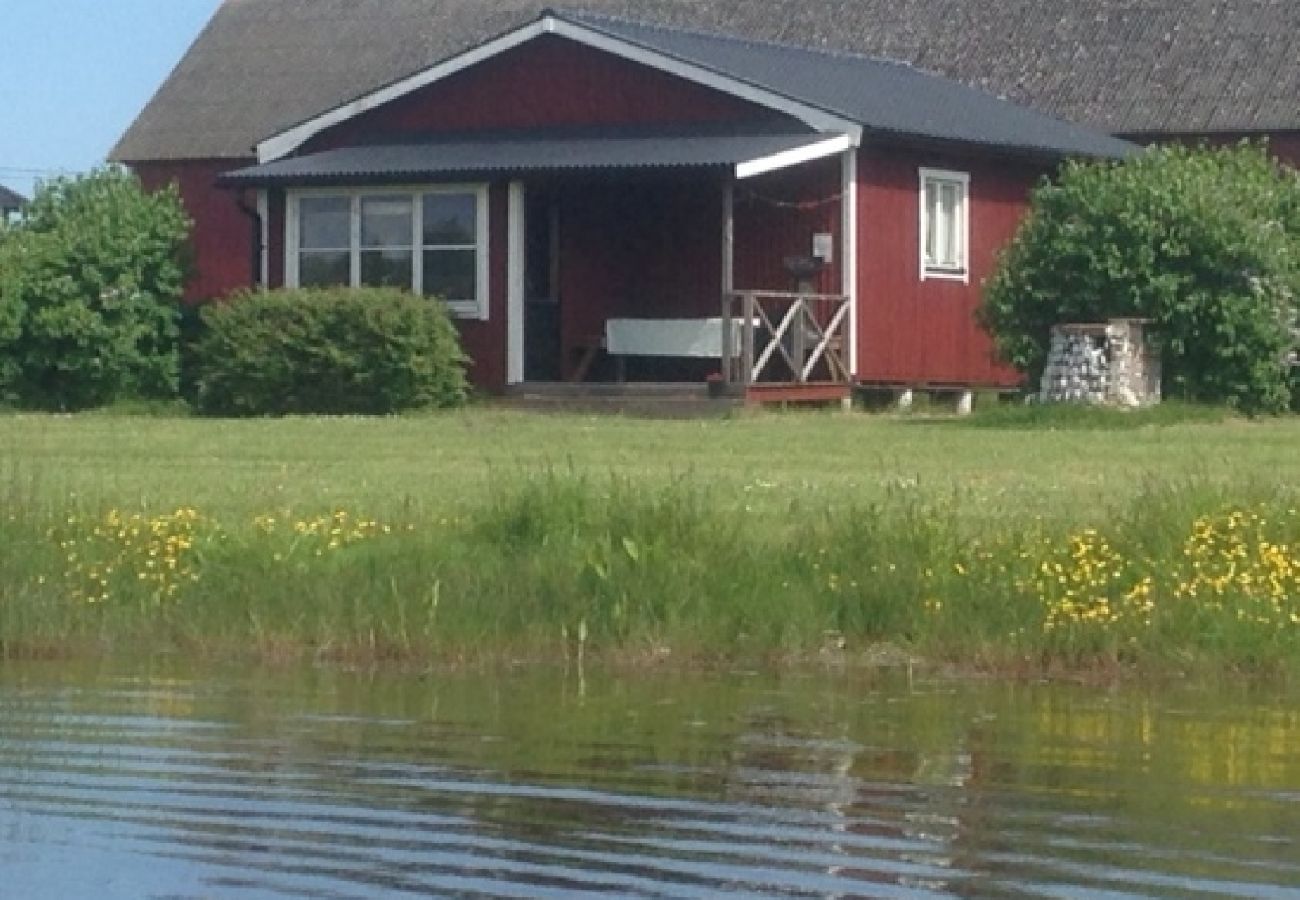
{"x": 286, "y": 142}
{"x": 787, "y": 158}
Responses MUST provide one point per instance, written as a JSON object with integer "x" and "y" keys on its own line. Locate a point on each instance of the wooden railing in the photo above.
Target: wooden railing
{"x": 780, "y": 338}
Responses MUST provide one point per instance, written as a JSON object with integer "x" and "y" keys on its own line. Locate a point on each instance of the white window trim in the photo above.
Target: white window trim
{"x": 929, "y": 272}
{"x": 476, "y": 309}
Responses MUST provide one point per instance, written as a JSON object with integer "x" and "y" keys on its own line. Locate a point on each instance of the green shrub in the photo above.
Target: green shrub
{"x": 1204, "y": 242}
{"x": 90, "y": 284}
{"x": 336, "y": 351}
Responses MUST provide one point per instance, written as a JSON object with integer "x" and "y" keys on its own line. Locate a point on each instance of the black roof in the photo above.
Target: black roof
{"x": 888, "y": 99}
{"x": 519, "y": 152}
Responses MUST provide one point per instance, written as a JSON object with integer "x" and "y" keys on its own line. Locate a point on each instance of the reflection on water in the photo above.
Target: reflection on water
{"x": 200, "y": 783}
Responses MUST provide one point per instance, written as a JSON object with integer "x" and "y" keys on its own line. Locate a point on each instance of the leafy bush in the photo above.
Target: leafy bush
{"x": 1204, "y": 242}
{"x": 335, "y": 351}
{"x": 90, "y": 284}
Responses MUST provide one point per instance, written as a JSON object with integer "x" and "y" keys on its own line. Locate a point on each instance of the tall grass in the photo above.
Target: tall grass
{"x": 560, "y": 563}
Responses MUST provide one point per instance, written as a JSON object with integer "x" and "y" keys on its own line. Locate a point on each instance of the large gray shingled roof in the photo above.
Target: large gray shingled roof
{"x": 1125, "y": 66}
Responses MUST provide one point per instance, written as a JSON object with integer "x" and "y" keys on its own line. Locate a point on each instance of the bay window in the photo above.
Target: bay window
{"x": 945, "y": 224}
{"x": 431, "y": 241}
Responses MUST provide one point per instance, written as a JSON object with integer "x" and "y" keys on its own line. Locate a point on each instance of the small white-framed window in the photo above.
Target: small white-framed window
{"x": 430, "y": 240}
{"x": 453, "y": 238}
{"x": 945, "y": 224}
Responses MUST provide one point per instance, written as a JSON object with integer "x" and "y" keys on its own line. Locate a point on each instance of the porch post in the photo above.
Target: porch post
{"x": 515, "y": 285}
{"x": 728, "y": 278}
{"x": 849, "y": 255}
{"x": 264, "y": 252}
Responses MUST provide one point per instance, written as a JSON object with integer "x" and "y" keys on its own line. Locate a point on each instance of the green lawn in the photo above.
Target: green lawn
{"x": 435, "y": 462}
{"x": 1019, "y": 540}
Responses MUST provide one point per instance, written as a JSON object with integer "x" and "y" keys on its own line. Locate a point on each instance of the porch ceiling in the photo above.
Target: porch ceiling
{"x": 530, "y": 152}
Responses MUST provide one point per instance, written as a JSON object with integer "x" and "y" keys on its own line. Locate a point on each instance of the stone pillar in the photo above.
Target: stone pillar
{"x": 1110, "y": 364}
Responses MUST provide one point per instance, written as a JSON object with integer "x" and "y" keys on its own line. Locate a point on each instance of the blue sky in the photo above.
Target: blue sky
{"x": 74, "y": 73}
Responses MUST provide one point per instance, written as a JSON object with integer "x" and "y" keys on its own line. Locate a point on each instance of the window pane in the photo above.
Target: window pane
{"x": 945, "y": 236}
{"x": 386, "y": 268}
{"x": 324, "y": 268}
{"x": 324, "y": 223}
{"x": 931, "y": 221}
{"x": 949, "y": 199}
{"x": 386, "y": 221}
{"x": 451, "y": 274}
{"x": 450, "y": 219}
{"x": 956, "y": 235}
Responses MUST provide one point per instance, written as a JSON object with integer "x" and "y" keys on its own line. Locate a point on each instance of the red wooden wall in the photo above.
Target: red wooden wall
{"x": 485, "y": 342}
{"x": 548, "y": 83}
{"x": 914, "y": 331}
{"x": 1286, "y": 147}
{"x": 222, "y": 239}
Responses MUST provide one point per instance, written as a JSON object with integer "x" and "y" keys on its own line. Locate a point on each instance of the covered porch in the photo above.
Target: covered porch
{"x": 733, "y": 275}
{"x": 687, "y": 278}
{"x": 687, "y": 258}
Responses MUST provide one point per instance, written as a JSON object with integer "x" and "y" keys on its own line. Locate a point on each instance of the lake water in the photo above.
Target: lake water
{"x": 162, "y": 780}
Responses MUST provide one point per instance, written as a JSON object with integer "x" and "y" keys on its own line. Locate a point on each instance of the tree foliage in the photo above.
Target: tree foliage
{"x": 90, "y": 284}
{"x": 330, "y": 351}
{"x": 1206, "y": 243}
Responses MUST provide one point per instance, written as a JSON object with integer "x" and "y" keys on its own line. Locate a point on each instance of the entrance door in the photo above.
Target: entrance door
{"x": 542, "y": 346}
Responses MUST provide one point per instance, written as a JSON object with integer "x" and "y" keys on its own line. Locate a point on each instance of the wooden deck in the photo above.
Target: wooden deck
{"x": 669, "y": 400}
{"x": 810, "y": 393}
{"x": 776, "y": 348}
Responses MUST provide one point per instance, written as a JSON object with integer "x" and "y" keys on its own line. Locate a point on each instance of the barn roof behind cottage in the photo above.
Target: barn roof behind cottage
{"x": 1125, "y": 66}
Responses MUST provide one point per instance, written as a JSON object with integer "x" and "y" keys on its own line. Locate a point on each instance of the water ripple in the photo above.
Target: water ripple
{"x": 200, "y": 788}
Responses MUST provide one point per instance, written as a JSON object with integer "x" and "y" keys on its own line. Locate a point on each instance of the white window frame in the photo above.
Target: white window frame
{"x": 930, "y": 270}
{"x": 465, "y": 309}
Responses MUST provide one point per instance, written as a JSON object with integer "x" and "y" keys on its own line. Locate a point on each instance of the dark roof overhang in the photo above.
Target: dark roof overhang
{"x": 502, "y": 155}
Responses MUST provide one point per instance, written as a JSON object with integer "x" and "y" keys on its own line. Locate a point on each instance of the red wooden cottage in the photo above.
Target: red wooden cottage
{"x": 599, "y": 198}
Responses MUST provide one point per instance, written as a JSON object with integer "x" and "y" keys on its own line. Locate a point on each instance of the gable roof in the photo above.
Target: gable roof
{"x": 1126, "y": 66}
{"x": 829, "y": 92}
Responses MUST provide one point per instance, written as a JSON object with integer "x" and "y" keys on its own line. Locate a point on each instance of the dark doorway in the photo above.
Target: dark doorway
{"x": 542, "y": 346}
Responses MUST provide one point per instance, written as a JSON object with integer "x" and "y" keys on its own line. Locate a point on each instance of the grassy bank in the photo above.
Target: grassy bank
{"x": 1027, "y": 546}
